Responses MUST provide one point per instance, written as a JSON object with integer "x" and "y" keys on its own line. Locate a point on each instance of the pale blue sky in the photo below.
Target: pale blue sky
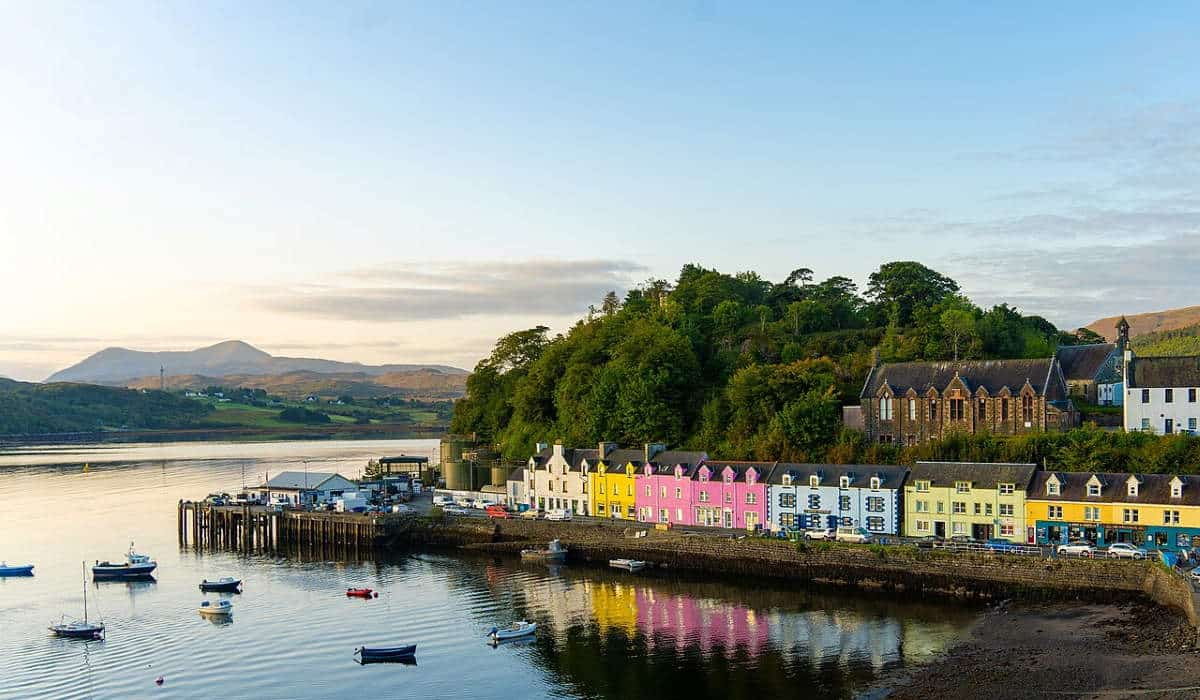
{"x": 300, "y": 175}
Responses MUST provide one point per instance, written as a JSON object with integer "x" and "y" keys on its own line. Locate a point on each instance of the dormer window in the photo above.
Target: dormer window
{"x": 1053, "y": 488}
{"x": 814, "y": 481}
{"x": 844, "y": 482}
{"x": 875, "y": 483}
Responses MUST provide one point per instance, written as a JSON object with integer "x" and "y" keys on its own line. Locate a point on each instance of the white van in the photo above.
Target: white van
{"x": 559, "y": 514}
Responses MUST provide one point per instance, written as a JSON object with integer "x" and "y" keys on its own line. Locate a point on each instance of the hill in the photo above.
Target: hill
{"x": 120, "y": 366}
{"x": 427, "y": 383}
{"x": 1153, "y": 322}
{"x": 27, "y": 408}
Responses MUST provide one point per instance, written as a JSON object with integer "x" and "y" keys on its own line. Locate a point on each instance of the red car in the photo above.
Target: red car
{"x": 497, "y": 512}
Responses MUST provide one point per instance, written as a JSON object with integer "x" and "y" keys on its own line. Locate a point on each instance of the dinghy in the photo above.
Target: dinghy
{"x": 217, "y": 607}
{"x": 378, "y": 654}
{"x": 80, "y": 629}
{"x": 516, "y": 631}
{"x": 227, "y": 584}
{"x": 630, "y": 565}
{"x": 16, "y": 569}
{"x": 135, "y": 566}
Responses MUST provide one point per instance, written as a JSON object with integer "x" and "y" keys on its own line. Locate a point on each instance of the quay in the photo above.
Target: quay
{"x": 255, "y": 528}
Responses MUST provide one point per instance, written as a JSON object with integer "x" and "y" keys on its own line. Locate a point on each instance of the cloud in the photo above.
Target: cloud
{"x": 450, "y": 290}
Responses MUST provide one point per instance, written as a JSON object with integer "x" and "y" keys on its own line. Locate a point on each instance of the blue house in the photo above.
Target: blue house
{"x": 807, "y": 496}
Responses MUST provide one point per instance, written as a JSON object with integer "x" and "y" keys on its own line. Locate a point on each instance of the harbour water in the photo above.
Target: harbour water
{"x": 604, "y": 634}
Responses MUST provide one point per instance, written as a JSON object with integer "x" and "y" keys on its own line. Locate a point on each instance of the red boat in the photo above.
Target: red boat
{"x": 361, "y": 593}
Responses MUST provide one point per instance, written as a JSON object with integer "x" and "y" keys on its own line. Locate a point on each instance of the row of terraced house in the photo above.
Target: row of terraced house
{"x": 982, "y": 501}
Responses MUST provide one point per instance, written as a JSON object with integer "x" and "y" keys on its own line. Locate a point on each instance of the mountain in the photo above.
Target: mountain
{"x": 118, "y": 366}
{"x": 1153, "y": 322}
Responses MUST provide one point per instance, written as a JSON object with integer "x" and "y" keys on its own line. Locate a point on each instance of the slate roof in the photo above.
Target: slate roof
{"x": 890, "y": 476}
{"x": 1043, "y": 375}
{"x": 982, "y": 475}
{"x": 1152, "y": 372}
{"x": 296, "y": 480}
{"x": 1152, "y": 489}
{"x": 1083, "y": 362}
{"x": 739, "y": 469}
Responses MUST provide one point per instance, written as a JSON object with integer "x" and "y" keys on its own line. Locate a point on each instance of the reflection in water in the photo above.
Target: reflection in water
{"x": 602, "y": 633}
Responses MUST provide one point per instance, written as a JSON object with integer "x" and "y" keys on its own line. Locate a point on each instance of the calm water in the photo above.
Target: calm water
{"x": 604, "y": 634}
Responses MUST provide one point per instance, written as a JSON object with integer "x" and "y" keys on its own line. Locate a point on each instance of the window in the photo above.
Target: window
{"x": 875, "y": 523}
{"x": 922, "y": 526}
{"x": 1093, "y": 490}
{"x": 922, "y": 506}
{"x": 751, "y": 498}
{"x": 814, "y": 501}
{"x": 956, "y": 409}
{"x": 843, "y": 503}
{"x": 787, "y": 520}
{"x": 1004, "y": 410}
{"x": 1006, "y": 530}
{"x": 912, "y": 409}
{"x": 875, "y": 480}
{"x": 960, "y": 507}
{"x": 787, "y": 500}
{"x": 1130, "y": 515}
{"x": 1145, "y": 396}
{"x": 875, "y": 504}
{"x": 1170, "y": 517}
{"x": 844, "y": 482}
{"x": 1091, "y": 513}
{"x": 1054, "y": 512}
{"x": 978, "y": 509}
{"x": 663, "y": 515}
{"x": 885, "y": 409}
{"x": 960, "y": 528}
{"x": 1191, "y": 396}
{"x": 1145, "y": 424}
{"x": 1006, "y": 510}
{"x": 962, "y": 487}
{"x": 1027, "y": 408}
{"x": 1176, "y": 489}
{"x": 1053, "y": 488}
{"x": 1169, "y": 395}
{"x": 703, "y": 498}
{"x": 922, "y": 487}
{"x": 1006, "y": 489}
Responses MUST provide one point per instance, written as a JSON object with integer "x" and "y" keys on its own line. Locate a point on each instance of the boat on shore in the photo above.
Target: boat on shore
{"x": 227, "y": 584}
{"x": 516, "y": 631}
{"x": 555, "y": 551}
{"x": 135, "y": 566}
{"x": 16, "y": 569}
{"x": 400, "y": 654}
{"x": 217, "y": 607}
{"x": 80, "y": 629}
{"x": 630, "y": 565}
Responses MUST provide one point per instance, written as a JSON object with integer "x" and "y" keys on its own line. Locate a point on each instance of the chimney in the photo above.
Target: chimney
{"x": 650, "y": 449}
{"x": 605, "y": 448}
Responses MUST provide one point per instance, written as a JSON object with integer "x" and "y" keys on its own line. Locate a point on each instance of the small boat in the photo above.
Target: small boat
{"x": 630, "y": 565}
{"x": 377, "y": 654}
{"x": 553, "y": 552}
{"x": 516, "y": 631}
{"x": 217, "y": 607}
{"x": 361, "y": 593}
{"x": 227, "y": 584}
{"x": 135, "y": 566}
{"x": 15, "y": 569}
{"x": 80, "y": 629}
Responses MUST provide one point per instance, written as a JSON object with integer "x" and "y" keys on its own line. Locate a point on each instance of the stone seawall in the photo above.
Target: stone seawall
{"x": 898, "y": 567}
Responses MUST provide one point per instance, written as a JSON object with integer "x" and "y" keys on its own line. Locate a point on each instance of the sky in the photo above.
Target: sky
{"x": 395, "y": 182}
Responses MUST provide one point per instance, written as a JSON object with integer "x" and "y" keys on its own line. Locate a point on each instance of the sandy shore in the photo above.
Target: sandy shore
{"x": 1062, "y": 650}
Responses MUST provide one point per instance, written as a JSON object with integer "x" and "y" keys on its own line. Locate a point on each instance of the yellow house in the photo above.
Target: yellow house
{"x": 1160, "y": 511}
{"x": 612, "y": 488}
{"x": 980, "y": 501}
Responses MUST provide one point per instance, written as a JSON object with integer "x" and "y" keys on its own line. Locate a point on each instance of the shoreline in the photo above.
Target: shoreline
{"x": 1082, "y": 650}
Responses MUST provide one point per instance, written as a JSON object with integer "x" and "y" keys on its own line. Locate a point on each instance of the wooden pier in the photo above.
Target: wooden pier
{"x": 255, "y": 529}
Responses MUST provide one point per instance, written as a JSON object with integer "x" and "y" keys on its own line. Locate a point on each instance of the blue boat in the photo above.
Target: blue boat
{"x": 376, "y": 654}
{"x": 17, "y": 570}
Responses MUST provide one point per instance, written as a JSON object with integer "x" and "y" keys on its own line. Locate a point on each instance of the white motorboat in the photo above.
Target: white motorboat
{"x": 515, "y": 631}
{"x": 630, "y": 565}
{"x": 216, "y": 607}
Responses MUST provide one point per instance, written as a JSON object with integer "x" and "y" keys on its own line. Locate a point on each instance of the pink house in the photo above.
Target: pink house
{"x": 663, "y": 487}
{"x": 730, "y": 494}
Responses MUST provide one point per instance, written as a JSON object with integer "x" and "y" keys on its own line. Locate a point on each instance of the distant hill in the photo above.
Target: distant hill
{"x": 425, "y": 383}
{"x": 1153, "y": 322}
{"x": 121, "y": 366}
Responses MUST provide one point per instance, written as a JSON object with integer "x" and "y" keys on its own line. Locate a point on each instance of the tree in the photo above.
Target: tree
{"x": 899, "y": 289}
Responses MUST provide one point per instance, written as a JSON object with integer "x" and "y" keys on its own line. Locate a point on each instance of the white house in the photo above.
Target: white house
{"x": 305, "y": 487}
{"x": 1162, "y": 394}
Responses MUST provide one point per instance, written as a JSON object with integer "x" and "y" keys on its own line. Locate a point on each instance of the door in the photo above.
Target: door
{"x": 939, "y": 529}
{"x": 1168, "y": 426}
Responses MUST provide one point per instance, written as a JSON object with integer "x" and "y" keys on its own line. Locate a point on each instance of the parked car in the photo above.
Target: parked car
{"x": 560, "y": 514}
{"x": 852, "y": 534}
{"x": 442, "y": 500}
{"x": 1079, "y": 548}
{"x": 496, "y": 511}
{"x": 1122, "y": 550}
{"x": 819, "y": 533}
